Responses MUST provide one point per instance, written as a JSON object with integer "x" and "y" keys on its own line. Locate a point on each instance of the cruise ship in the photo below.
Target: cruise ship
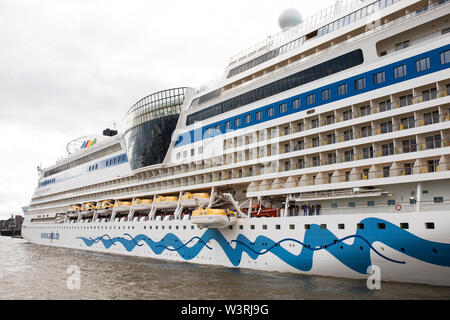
{"x": 322, "y": 150}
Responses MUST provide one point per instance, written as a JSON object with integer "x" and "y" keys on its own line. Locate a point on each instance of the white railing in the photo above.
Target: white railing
{"x": 308, "y": 24}
{"x": 326, "y": 51}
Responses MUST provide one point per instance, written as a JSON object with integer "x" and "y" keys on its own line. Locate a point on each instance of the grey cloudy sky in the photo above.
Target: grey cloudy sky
{"x": 72, "y": 68}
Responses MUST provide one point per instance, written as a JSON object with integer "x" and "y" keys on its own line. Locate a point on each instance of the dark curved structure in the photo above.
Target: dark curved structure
{"x": 149, "y": 124}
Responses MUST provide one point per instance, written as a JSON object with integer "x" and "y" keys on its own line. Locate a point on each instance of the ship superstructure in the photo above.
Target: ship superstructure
{"x": 324, "y": 149}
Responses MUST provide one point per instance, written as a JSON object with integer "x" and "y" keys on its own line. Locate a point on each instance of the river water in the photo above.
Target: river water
{"x": 29, "y": 271}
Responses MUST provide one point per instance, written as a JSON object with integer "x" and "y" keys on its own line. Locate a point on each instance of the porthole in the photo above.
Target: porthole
{"x": 404, "y": 225}
{"x": 429, "y": 225}
{"x": 307, "y": 226}
{"x": 381, "y": 226}
{"x": 360, "y": 226}
{"x": 341, "y": 226}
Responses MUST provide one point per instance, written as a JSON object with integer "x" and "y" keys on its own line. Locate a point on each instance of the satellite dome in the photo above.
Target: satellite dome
{"x": 290, "y": 18}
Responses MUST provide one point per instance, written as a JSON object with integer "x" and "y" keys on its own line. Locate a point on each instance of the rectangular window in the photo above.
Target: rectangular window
{"x": 386, "y": 172}
{"x": 326, "y": 94}
{"x": 400, "y": 72}
{"x": 228, "y": 125}
{"x": 329, "y": 119}
{"x": 360, "y": 84}
{"x": 387, "y": 149}
{"x": 296, "y": 104}
{"x": 385, "y": 105}
{"x": 438, "y": 199}
{"x": 258, "y": 116}
{"x": 433, "y": 142}
{"x": 409, "y": 145}
{"x": 386, "y": 127}
{"x": 366, "y": 132}
{"x": 365, "y": 111}
{"x": 342, "y": 89}
{"x": 406, "y": 100}
{"x": 445, "y": 56}
{"x": 270, "y": 112}
{"x": 348, "y": 115}
{"x": 310, "y": 99}
{"x": 283, "y": 108}
{"x": 237, "y": 122}
{"x": 248, "y": 118}
{"x": 402, "y": 45}
{"x": 423, "y": 64}
{"x": 379, "y": 78}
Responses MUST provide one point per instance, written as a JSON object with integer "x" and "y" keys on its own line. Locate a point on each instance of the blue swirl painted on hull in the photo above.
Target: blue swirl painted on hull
{"x": 355, "y": 256}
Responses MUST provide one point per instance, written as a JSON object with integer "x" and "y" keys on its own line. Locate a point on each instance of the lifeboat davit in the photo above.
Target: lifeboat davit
{"x": 213, "y": 218}
{"x": 193, "y": 200}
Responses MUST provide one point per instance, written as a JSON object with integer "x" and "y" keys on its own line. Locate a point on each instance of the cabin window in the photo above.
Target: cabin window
{"x": 360, "y": 84}
{"x": 379, "y": 78}
{"x": 423, "y": 64}
{"x": 438, "y": 199}
{"x": 342, "y": 89}
{"x": 429, "y": 225}
{"x": 445, "y": 56}
{"x": 400, "y": 72}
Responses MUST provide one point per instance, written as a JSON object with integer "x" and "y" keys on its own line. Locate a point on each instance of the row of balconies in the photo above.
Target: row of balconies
{"x": 338, "y": 116}
{"x": 323, "y": 139}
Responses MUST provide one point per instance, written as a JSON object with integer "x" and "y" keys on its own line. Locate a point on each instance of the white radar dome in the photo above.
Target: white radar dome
{"x": 290, "y": 18}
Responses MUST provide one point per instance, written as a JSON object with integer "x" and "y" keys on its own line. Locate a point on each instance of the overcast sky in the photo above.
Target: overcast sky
{"x": 71, "y": 68}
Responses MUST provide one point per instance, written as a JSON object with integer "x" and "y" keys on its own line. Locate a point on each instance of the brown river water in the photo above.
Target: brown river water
{"x": 29, "y": 272}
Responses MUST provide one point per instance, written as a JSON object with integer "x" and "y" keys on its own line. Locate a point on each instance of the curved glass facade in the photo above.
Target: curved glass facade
{"x": 148, "y": 127}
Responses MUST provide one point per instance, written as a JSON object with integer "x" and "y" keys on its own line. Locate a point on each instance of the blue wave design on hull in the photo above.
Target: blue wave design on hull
{"x": 355, "y": 256}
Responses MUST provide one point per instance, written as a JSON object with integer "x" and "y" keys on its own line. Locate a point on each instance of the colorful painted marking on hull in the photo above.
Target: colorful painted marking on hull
{"x": 355, "y": 256}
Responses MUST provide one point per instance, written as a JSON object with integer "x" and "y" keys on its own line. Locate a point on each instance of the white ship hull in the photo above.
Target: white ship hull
{"x": 416, "y": 255}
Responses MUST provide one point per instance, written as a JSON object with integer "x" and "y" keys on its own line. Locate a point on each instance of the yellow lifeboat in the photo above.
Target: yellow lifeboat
{"x": 193, "y": 200}
{"x": 166, "y": 202}
{"x": 73, "y": 208}
{"x": 104, "y": 206}
{"x": 88, "y": 206}
{"x": 213, "y": 218}
{"x": 107, "y": 204}
{"x": 142, "y": 204}
{"x": 122, "y": 205}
